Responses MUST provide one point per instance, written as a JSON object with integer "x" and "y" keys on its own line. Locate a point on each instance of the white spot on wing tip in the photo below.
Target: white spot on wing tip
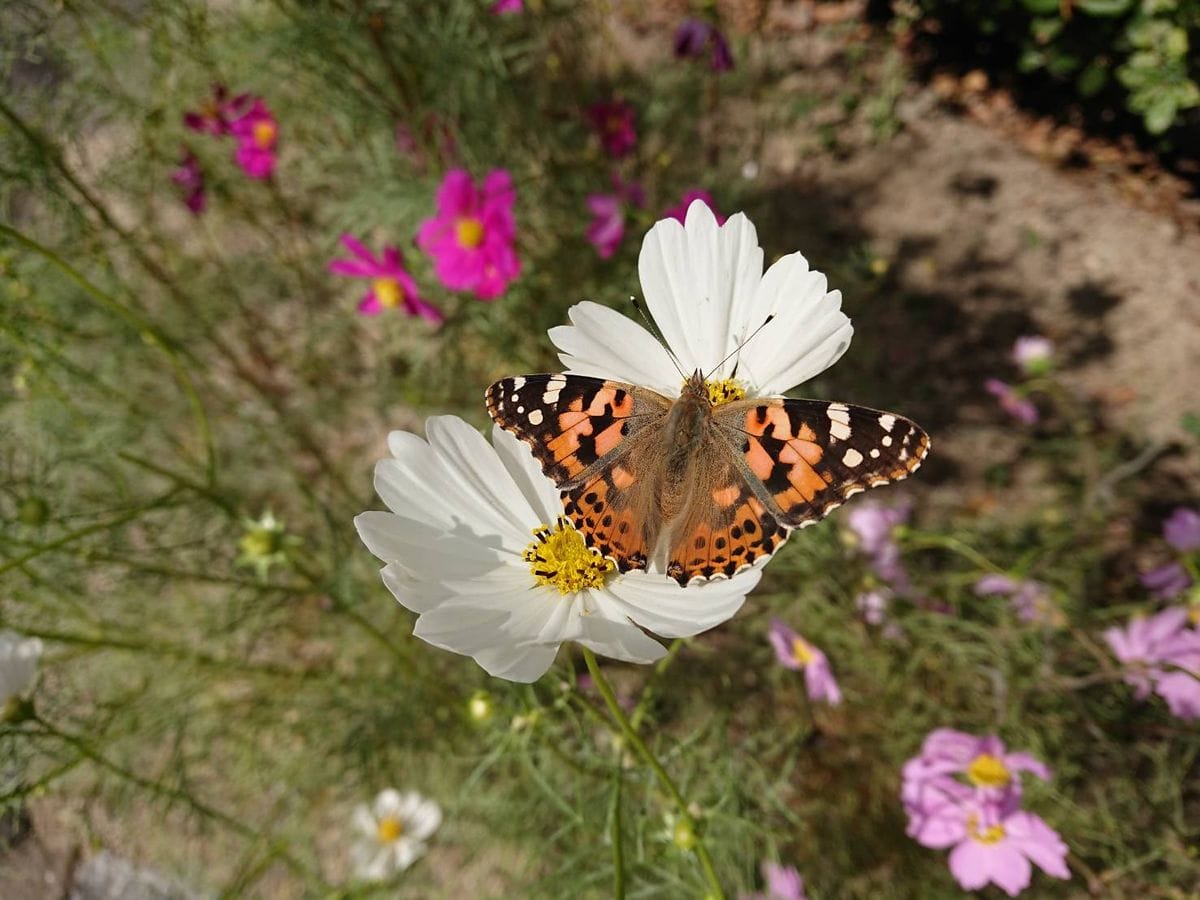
{"x": 535, "y": 417}
{"x": 852, "y": 458}
{"x": 886, "y": 422}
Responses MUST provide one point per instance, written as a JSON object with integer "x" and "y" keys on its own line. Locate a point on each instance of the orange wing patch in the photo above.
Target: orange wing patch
{"x": 723, "y": 540}
{"x": 601, "y": 512}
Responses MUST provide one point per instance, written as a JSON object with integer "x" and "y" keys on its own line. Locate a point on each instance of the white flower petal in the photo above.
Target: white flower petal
{"x": 525, "y": 664}
{"x": 461, "y": 628}
{"x": 603, "y": 343}
{"x": 425, "y": 819}
{"x": 407, "y": 852}
{"x": 425, "y": 552}
{"x": 620, "y": 640}
{"x": 388, "y": 803}
{"x": 538, "y": 490}
{"x": 364, "y": 821}
{"x": 659, "y": 604}
{"x": 691, "y": 275}
{"x": 374, "y": 862}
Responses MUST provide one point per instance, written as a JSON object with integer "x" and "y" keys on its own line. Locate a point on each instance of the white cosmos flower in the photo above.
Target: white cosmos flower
{"x": 392, "y": 833}
{"x": 705, "y": 288}
{"x": 461, "y": 551}
{"x": 18, "y": 663}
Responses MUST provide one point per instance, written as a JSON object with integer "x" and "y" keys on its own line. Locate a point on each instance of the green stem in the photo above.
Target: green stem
{"x": 631, "y": 736}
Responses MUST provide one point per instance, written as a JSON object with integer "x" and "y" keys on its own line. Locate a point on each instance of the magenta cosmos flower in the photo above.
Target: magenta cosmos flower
{"x": 992, "y": 843}
{"x": 471, "y": 239}
{"x": 257, "y": 132}
{"x": 503, "y": 7}
{"x": 608, "y": 223}
{"x": 794, "y": 652}
{"x": 679, "y": 213}
{"x": 218, "y": 111}
{"x": 1019, "y": 407}
{"x": 613, "y": 121}
{"x": 391, "y": 285}
{"x": 782, "y": 883}
{"x": 189, "y": 177}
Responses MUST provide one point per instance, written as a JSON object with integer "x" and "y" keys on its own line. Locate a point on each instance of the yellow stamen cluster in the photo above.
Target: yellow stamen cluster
{"x": 559, "y": 558}
{"x": 469, "y": 232}
{"x": 724, "y": 391}
{"x": 993, "y": 834}
{"x": 264, "y": 134}
{"x": 390, "y": 829}
{"x": 988, "y": 771}
{"x": 388, "y": 291}
{"x": 802, "y": 651}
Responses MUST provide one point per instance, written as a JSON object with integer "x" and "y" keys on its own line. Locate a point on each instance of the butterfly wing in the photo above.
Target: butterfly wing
{"x": 780, "y": 464}
{"x": 810, "y": 456}
{"x": 592, "y": 438}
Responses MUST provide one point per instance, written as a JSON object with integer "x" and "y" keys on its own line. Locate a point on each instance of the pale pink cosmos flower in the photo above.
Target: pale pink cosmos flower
{"x": 1020, "y": 408}
{"x": 1033, "y": 354}
{"x": 874, "y": 525}
{"x": 1031, "y": 600}
{"x": 1161, "y": 653}
{"x": 1166, "y": 581}
{"x": 782, "y": 883}
{"x": 985, "y": 764}
{"x": 1182, "y": 530}
{"x": 992, "y": 842}
{"x": 392, "y": 287}
{"x": 794, "y": 652}
{"x": 471, "y": 239}
{"x": 679, "y": 212}
{"x": 257, "y": 132}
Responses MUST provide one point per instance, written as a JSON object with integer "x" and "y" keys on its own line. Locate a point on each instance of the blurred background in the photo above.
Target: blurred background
{"x": 192, "y": 402}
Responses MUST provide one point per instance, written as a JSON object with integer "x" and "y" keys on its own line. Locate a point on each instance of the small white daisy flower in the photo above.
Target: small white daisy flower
{"x": 18, "y": 664}
{"x": 392, "y": 833}
{"x": 476, "y": 545}
{"x": 705, "y": 288}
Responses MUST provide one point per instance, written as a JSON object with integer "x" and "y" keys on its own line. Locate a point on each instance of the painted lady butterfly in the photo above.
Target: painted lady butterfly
{"x": 700, "y": 485}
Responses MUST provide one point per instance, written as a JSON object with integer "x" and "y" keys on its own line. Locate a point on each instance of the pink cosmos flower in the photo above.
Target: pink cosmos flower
{"x": 1166, "y": 581}
{"x": 472, "y": 236}
{"x": 873, "y": 605}
{"x": 1182, "y": 530}
{"x": 1030, "y": 600}
{"x": 986, "y": 765}
{"x": 502, "y": 7}
{"x": 391, "y": 285}
{"x": 874, "y": 525}
{"x": 694, "y": 37}
{"x": 608, "y": 223}
{"x": 613, "y": 121}
{"x": 793, "y": 652}
{"x": 257, "y": 132}
{"x": 190, "y": 179}
{"x": 680, "y": 212}
{"x": 1020, "y": 408}
{"x": 783, "y": 883}
{"x": 992, "y": 843}
{"x": 1161, "y": 653}
{"x": 217, "y": 112}
{"x": 1033, "y": 354}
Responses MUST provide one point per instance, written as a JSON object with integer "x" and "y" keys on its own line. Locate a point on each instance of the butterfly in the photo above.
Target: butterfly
{"x": 698, "y": 486}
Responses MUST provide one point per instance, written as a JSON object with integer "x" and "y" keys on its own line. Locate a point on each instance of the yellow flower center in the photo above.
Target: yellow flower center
{"x": 390, "y": 829}
{"x": 724, "y": 391}
{"x": 802, "y": 651}
{"x": 264, "y": 134}
{"x": 558, "y": 557}
{"x": 469, "y": 232}
{"x": 988, "y": 771}
{"x": 993, "y": 834}
{"x": 388, "y": 291}
{"x": 259, "y": 542}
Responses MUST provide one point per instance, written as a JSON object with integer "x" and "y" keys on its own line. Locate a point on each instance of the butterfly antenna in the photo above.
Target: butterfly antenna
{"x": 738, "y": 348}
{"x": 654, "y": 330}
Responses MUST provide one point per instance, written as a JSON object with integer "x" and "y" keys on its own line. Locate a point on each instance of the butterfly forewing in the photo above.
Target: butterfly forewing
{"x": 811, "y": 455}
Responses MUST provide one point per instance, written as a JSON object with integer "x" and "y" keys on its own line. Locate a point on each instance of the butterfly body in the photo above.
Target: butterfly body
{"x": 693, "y": 488}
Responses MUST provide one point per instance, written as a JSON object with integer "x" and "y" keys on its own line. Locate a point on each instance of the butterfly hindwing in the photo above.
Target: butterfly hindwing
{"x": 811, "y": 455}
